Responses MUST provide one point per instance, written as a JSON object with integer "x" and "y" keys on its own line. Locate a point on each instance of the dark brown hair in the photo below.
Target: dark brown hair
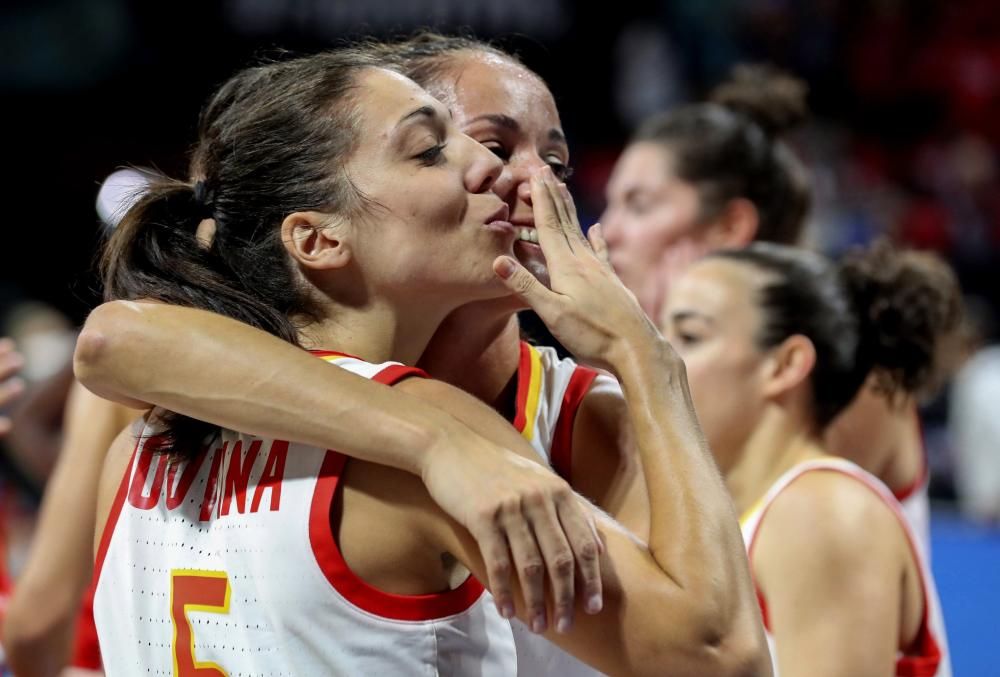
{"x": 731, "y": 148}
{"x": 879, "y": 309}
{"x": 271, "y": 141}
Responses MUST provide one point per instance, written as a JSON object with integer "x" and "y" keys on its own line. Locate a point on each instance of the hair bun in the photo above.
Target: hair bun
{"x": 772, "y": 98}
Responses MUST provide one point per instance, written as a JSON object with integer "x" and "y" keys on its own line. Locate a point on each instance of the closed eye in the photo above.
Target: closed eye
{"x": 432, "y": 155}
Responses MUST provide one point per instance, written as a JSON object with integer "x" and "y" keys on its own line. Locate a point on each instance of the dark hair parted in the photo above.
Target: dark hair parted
{"x": 730, "y": 148}
{"x": 878, "y": 310}
{"x": 271, "y": 141}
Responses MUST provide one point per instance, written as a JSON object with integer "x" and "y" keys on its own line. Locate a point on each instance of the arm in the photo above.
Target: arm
{"x": 694, "y": 563}
{"x": 219, "y": 370}
{"x": 605, "y": 466}
{"x": 42, "y": 613}
{"x": 651, "y": 624}
{"x": 828, "y": 562}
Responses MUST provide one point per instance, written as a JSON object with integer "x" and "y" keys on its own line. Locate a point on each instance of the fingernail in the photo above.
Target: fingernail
{"x": 563, "y": 625}
{"x": 594, "y": 604}
{"x": 504, "y": 267}
{"x": 538, "y": 624}
{"x": 507, "y": 610}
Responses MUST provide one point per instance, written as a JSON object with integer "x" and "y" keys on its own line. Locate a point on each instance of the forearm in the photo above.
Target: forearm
{"x": 693, "y": 530}
{"x": 215, "y": 369}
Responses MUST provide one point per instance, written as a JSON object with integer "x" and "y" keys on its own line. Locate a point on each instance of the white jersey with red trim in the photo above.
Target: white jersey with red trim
{"x": 228, "y": 564}
{"x": 929, "y": 656}
{"x": 549, "y": 393}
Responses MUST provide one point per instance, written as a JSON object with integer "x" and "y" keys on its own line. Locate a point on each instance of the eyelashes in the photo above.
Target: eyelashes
{"x": 432, "y": 155}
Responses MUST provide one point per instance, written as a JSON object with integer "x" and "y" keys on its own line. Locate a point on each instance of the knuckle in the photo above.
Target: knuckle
{"x": 535, "y": 498}
{"x": 532, "y": 569}
{"x": 588, "y": 551}
{"x": 564, "y": 564}
{"x": 500, "y": 568}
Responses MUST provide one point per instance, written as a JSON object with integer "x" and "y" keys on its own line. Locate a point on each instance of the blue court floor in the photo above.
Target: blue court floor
{"x": 966, "y": 562}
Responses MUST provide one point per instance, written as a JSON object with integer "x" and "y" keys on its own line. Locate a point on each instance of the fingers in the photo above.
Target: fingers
{"x": 559, "y": 559}
{"x": 587, "y": 547}
{"x": 528, "y": 563}
{"x": 10, "y": 390}
{"x": 597, "y": 242}
{"x": 493, "y": 546}
{"x": 525, "y": 285}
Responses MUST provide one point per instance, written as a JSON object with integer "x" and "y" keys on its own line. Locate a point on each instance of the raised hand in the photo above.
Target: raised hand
{"x": 587, "y": 308}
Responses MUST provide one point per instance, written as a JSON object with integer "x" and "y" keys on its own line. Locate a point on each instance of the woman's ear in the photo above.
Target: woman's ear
{"x": 316, "y": 240}
{"x": 789, "y": 366}
{"x": 736, "y": 226}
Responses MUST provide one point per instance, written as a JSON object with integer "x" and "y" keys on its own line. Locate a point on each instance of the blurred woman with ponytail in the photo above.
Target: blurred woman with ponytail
{"x": 721, "y": 174}
{"x": 777, "y": 342}
{"x": 707, "y": 176}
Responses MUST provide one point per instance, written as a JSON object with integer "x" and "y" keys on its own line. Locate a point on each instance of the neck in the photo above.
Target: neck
{"x": 376, "y": 332}
{"x": 778, "y": 443}
{"x": 476, "y": 348}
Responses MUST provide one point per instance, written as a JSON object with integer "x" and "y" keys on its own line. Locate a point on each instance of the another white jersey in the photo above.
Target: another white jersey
{"x": 928, "y": 657}
{"x": 227, "y": 564}
{"x": 549, "y": 393}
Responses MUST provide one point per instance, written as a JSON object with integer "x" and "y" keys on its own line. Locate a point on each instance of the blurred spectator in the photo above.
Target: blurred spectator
{"x": 974, "y": 418}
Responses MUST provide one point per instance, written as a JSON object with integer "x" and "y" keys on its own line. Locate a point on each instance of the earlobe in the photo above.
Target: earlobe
{"x": 316, "y": 240}
{"x": 789, "y": 366}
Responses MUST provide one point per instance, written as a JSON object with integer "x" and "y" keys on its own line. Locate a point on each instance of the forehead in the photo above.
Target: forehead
{"x": 384, "y": 97}
{"x": 642, "y": 165}
{"x": 720, "y": 289}
{"x": 481, "y": 84}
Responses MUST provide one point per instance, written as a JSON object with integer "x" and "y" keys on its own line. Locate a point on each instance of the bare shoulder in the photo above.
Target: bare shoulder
{"x": 115, "y": 466}
{"x": 828, "y": 519}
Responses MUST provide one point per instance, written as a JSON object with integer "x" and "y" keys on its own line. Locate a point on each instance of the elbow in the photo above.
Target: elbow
{"x": 107, "y": 328}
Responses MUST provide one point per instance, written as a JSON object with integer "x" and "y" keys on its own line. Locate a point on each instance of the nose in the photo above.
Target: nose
{"x": 522, "y": 175}
{"x": 484, "y": 169}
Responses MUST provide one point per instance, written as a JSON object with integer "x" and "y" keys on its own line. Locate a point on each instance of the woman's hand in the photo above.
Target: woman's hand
{"x": 527, "y": 523}
{"x": 588, "y": 308}
{"x": 10, "y": 385}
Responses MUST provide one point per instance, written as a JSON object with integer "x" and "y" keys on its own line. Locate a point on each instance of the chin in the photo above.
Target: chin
{"x": 530, "y": 256}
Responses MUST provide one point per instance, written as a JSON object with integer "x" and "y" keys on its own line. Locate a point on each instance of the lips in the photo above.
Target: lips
{"x": 501, "y": 214}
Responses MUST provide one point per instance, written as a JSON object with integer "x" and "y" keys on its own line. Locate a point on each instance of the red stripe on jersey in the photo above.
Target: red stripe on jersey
{"x": 923, "y": 657}
{"x": 561, "y": 454}
{"x": 523, "y": 387}
{"x": 116, "y": 509}
{"x": 338, "y": 573}
{"x": 356, "y": 591}
{"x": 86, "y": 650}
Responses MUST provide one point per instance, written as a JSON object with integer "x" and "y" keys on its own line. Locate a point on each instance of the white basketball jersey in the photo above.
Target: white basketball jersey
{"x": 227, "y": 564}
{"x": 929, "y": 656}
{"x": 549, "y": 392}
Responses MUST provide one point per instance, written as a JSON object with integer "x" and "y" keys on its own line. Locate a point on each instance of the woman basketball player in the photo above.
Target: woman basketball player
{"x": 572, "y": 417}
{"x": 718, "y": 175}
{"x": 338, "y": 207}
{"x": 777, "y": 342}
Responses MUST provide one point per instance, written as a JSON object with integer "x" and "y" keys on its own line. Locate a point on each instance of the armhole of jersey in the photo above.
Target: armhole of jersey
{"x": 331, "y": 561}
{"x": 923, "y": 656}
{"x": 562, "y": 439}
{"x": 116, "y": 509}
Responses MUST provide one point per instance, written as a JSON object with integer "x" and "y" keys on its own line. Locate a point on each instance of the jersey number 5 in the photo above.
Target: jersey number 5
{"x": 195, "y": 590}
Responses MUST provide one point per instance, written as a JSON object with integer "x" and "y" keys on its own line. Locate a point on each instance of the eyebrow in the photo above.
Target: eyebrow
{"x": 683, "y": 315}
{"x": 507, "y": 122}
{"x": 423, "y": 111}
